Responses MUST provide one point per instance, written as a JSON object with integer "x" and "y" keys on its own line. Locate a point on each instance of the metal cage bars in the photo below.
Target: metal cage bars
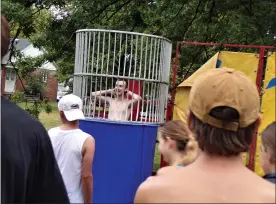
{"x": 104, "y": 56}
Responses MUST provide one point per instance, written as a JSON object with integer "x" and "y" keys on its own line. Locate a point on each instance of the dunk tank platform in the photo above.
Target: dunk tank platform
{"x": 124, "y": 149}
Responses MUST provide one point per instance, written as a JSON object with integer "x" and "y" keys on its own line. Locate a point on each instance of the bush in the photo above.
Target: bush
{"x": 17, "y": 97}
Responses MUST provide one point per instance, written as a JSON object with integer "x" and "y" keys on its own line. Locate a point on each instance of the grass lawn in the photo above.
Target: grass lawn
{"x": 52, "y": 120}
{"x": 48, "y": 120}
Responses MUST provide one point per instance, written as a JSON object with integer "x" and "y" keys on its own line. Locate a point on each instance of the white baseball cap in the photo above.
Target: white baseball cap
{"x": 71, "y": 105}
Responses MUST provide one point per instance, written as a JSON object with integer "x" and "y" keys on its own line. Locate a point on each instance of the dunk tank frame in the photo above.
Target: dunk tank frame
{"x": 261, "y": 66}
{"x": 125, "y": 147}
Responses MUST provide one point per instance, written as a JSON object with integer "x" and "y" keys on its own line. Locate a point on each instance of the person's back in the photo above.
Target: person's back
{"x": 67, "y": 145}
{"x": 29, "y": 172}
{"x": 74, "y": 150}
{"x": 204, "y": 184}
{"x": 224, "y": 116}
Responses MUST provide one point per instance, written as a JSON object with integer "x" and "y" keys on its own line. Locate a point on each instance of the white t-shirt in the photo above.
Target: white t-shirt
{"x": 67, "y": 145}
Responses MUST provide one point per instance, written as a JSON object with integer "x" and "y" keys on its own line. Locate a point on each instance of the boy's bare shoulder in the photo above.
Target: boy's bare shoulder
{"x": 168, "y": 170}
{"x": 153, "y": 189}
{"x": 153, "y": 186}
{"x": 160, "y": 175}
{"x": 268, "y": 192}
{"x": 147, "y": 190}
{"x": 262, "y": 191}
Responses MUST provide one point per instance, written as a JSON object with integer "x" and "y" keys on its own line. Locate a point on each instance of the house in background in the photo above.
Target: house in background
{"x": 10, "y": 82}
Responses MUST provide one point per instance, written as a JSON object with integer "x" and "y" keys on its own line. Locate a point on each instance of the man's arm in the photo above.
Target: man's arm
{"x": 135, "y": 98}
{"x": 88, "y": 151}
{"x": 101, "y": 95}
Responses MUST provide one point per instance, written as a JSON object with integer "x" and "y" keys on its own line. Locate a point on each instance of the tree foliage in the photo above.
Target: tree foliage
{"x": 224, "y": 21}
{"x": 26, "y": 20}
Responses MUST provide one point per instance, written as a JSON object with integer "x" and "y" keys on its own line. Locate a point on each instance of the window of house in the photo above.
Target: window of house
{"x": 10, "y": 74}
{"x": 7, "y": 74}
{"x": 44, "y": 77}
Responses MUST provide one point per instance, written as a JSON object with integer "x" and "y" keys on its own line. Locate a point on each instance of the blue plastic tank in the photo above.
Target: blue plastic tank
{"x": 123, "y": 158}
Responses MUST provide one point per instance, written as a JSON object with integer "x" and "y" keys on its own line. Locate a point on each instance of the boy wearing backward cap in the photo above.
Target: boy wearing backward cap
{"x": 224, "y": 115}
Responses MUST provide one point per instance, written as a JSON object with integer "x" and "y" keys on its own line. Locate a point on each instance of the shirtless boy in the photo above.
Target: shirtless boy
{"x": 224, "y": 115}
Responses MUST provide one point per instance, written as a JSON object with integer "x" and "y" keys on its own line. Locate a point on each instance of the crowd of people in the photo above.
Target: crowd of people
{"x": 204, "y": 155}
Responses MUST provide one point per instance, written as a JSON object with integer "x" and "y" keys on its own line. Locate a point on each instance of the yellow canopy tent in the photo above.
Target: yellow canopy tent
{"x": 245, "y": 62}
{"x": 183, "y": 90}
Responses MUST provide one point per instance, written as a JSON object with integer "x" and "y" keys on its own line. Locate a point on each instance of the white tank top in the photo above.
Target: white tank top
{"x": 67, "y": 145}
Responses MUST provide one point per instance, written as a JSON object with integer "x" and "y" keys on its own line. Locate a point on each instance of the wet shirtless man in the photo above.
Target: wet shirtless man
{"x": 119, "y": 104}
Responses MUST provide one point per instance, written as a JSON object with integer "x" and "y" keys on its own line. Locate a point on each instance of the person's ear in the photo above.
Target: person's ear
{"x": 271, "y": 158}
{"x": 171, "y": 143}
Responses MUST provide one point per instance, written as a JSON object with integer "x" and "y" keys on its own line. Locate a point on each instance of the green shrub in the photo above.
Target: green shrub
{"x": 17, "y": 97}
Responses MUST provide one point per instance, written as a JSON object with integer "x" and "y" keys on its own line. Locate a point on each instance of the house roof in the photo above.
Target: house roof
{"x": 21, "y": 44}
{"x": 31, "y": 51}
{"x": 28, "y": 50}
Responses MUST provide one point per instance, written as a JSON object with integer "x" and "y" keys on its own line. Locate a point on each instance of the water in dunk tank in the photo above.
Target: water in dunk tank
{"x": 123, "y": 80}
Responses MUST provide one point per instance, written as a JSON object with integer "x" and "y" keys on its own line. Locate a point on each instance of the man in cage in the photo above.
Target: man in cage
{"x": 120, "y": 106}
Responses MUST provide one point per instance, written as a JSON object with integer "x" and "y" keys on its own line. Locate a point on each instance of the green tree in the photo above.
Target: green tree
{"x": 26, "y": 19}
{"x": 225, "y": 21}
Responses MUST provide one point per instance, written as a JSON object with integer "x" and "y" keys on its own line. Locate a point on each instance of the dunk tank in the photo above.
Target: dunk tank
{"x": 124, "y": 149}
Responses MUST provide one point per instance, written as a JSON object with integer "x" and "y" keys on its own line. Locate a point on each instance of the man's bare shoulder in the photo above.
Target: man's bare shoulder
{"x": 90, "y": 139}
{"x": 271, "y": 193}
{"x": 89, "y": 145}
{"x": 160, "y": 175}
{"x": 151, "y": 189}
{"x": 266, "y": 190}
